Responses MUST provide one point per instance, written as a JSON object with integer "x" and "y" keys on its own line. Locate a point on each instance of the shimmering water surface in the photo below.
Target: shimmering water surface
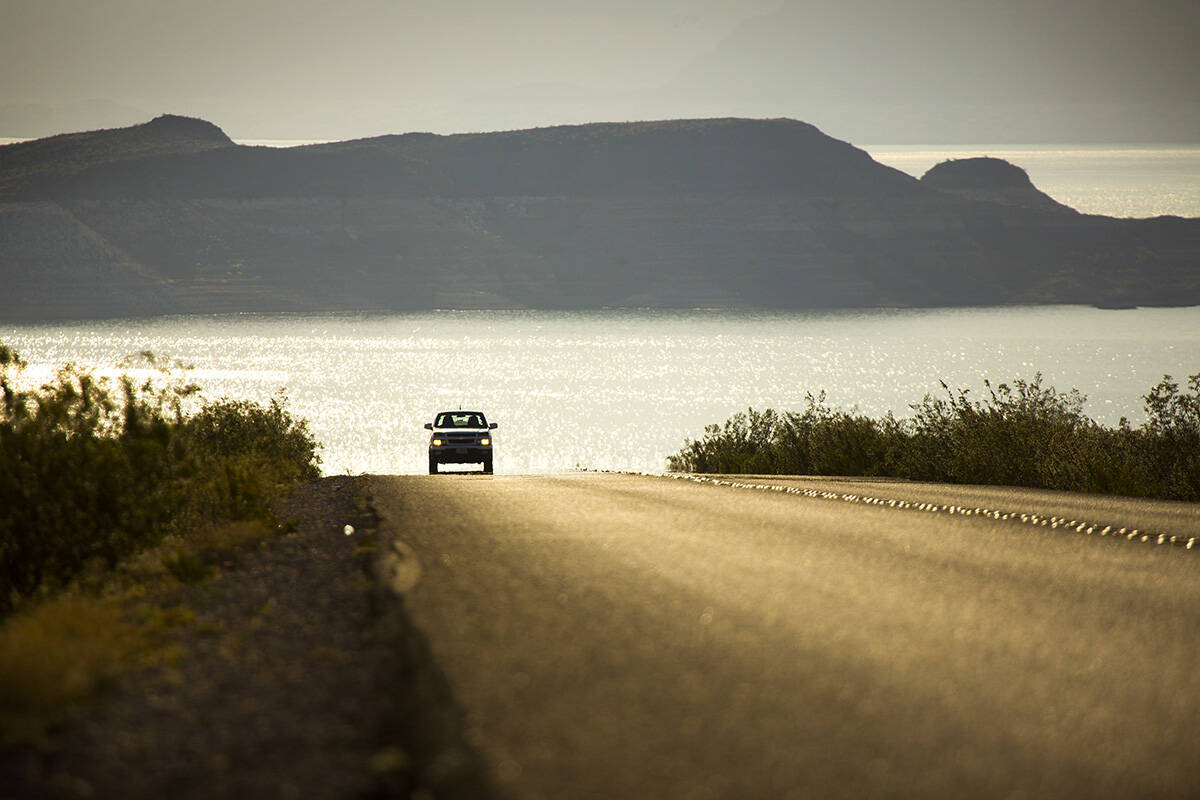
{"x": 621, "y": 389}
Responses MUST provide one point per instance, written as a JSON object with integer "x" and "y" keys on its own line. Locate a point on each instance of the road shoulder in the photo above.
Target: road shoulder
{"x": 298, "y": 678}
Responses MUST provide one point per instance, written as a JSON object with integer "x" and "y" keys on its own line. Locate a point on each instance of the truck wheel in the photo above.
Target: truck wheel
{"x": 433, "y": 467}
{"x": 487, "y": 465}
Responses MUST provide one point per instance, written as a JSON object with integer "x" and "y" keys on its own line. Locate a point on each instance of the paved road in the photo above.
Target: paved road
{"x": 617, "y": 636}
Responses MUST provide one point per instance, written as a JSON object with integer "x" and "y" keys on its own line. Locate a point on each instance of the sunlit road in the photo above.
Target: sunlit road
{"x": 637, "y": 637}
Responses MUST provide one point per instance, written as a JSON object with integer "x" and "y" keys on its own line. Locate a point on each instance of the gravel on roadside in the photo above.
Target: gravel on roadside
{"x": 302, "y": 679}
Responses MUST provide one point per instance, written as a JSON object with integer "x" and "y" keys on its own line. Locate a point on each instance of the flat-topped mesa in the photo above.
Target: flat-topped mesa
{"x": 654, "y": 157}
{"x": 26, "y": 168}
{"x": 992, "y": 179}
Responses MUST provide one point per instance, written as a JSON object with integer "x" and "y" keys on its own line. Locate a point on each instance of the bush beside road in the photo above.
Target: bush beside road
{"x": 1019, "y": 434}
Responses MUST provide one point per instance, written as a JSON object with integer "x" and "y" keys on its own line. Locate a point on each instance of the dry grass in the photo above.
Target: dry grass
{"x": 58, "y": 654}
{"x": 66, "y": 650}
{"x": 200, "y": 554}
{"x": 221, "y": 543}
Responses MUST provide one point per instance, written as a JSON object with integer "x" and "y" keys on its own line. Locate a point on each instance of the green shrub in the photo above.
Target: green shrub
{"x": 187, "y": 567}
{"x": 238, "y": 429}
{"x": 91, "y": 473}
{"x": 1173, "y": 436}
{"x": 820, "y": 440}
{"x": 248, "y": 455}
{"x": 1023, "y": 434}
{"x": 828, "y": 441}
{"x": 743, "y": 445}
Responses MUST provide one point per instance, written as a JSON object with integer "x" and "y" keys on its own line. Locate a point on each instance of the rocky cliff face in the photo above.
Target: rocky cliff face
{"x": 171, "y": 217}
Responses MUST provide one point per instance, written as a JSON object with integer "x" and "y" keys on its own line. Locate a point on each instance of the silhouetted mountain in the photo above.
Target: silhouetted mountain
{"x": 171, "y": 217}
{"x": 56, "y": 158}
{"x": 991, "y": 179}
{"x": 641, "y": 157}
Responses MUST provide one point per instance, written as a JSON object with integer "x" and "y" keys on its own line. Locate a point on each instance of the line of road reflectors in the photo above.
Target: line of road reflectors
{"x": 1036, "y": 520}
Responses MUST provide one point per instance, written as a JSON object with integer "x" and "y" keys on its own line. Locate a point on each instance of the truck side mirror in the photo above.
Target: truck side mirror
{"x": 492, "y": 426}
{"x": 428, "y": 426}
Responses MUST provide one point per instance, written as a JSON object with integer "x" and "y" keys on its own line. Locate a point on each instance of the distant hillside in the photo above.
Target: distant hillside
{"x": 172, "y": 217}
{"x": 642, "y": 157}
{"x": 56, "y": 158}
{"x": 990, "y": 179}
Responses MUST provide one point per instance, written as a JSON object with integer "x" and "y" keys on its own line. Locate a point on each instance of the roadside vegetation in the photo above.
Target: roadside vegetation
{"x": 113, "y": 494}
{"x": 1018, "y": 434}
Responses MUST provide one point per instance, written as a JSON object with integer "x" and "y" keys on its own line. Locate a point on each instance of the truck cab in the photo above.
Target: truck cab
{"x": 460, "y": 437}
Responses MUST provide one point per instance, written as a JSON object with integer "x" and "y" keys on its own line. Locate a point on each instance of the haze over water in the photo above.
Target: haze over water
{"x": 622, "y": 389}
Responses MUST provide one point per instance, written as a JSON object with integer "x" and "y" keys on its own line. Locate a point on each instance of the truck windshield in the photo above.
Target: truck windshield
{"x": 460, "y": 419}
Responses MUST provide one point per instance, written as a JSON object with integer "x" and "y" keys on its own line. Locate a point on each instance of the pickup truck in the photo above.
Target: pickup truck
{"x": 460, "y": 437}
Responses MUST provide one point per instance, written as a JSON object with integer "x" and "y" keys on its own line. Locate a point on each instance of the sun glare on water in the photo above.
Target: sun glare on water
{"x": 618, "y": 389}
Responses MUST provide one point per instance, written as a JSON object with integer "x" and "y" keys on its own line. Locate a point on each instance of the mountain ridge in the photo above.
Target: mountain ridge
{"x": 676, "y": 213}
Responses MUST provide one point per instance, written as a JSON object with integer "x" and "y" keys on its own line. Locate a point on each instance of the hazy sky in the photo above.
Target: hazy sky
{"x": 864, "y": 70}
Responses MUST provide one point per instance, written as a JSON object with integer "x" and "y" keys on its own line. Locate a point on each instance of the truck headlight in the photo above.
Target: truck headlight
{"x": 436, "y": 443}
{"x": 485, "y": 441}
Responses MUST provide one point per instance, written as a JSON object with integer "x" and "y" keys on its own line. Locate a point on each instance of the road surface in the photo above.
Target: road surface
{"x": 619, "y": 636}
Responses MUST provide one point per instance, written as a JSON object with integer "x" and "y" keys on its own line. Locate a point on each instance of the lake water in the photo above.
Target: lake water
{"x": 621, "y": 389}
